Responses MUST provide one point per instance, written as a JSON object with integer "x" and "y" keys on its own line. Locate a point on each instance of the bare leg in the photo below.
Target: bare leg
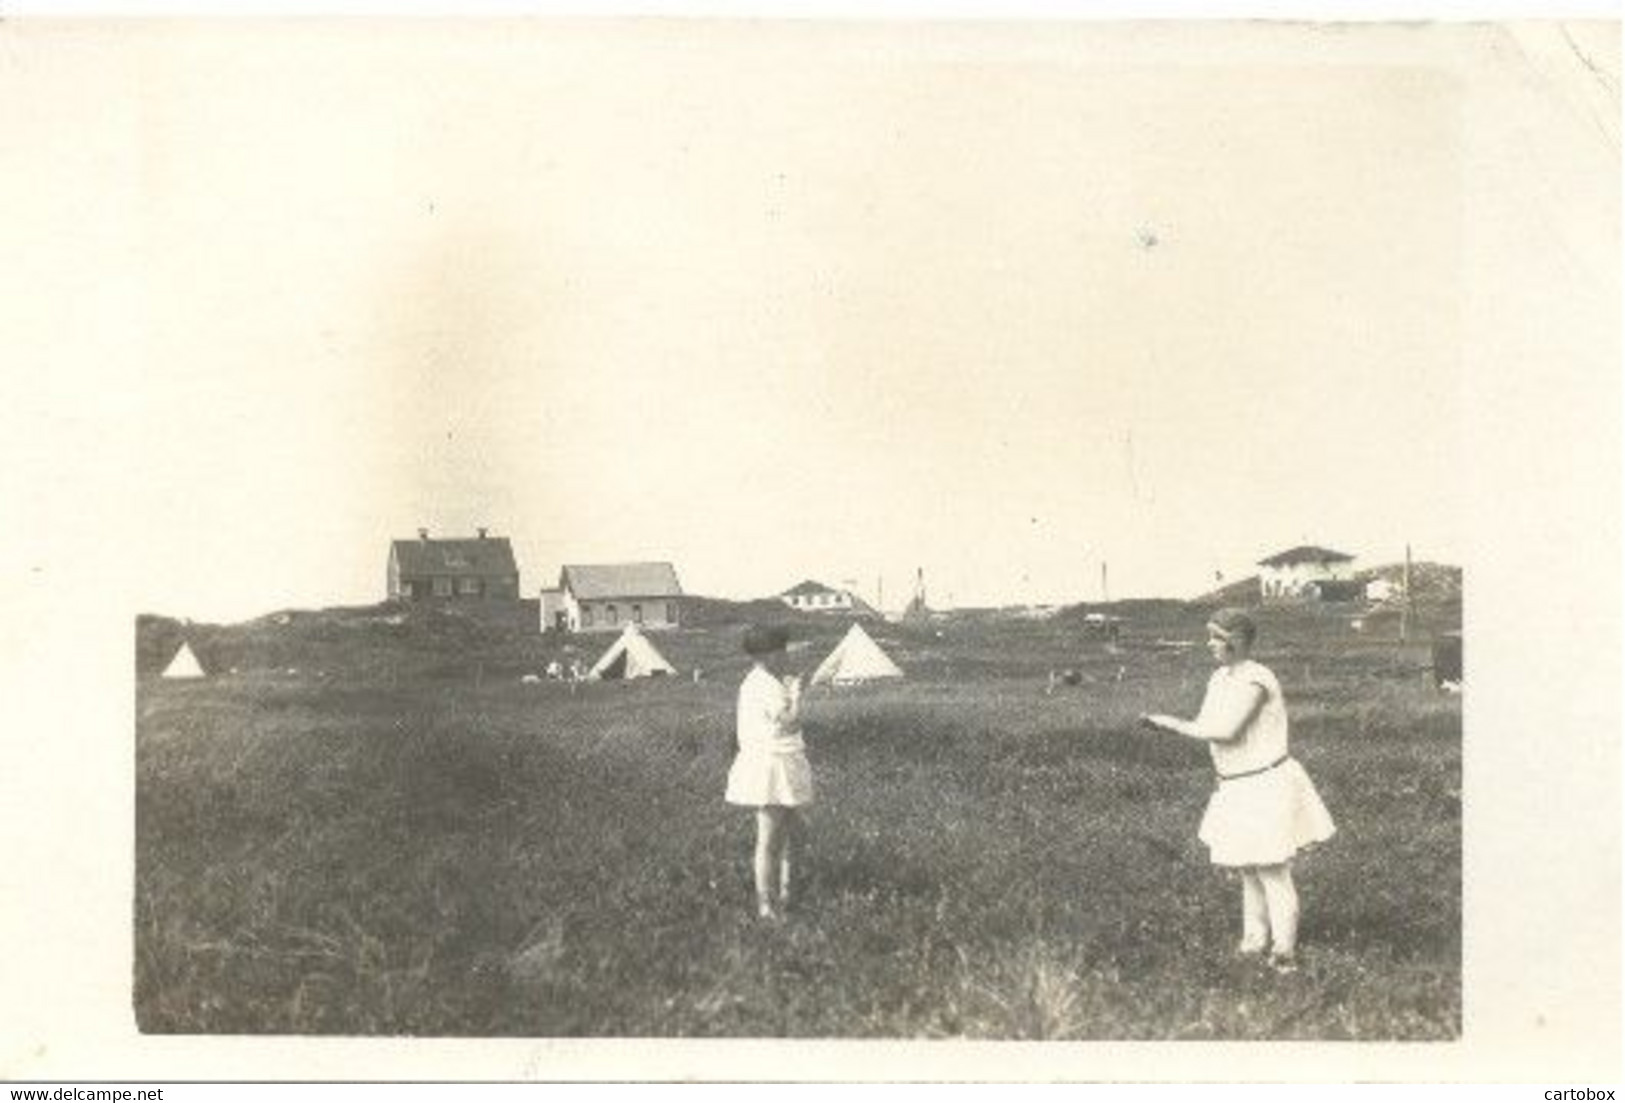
{"x": 789, "y": 845}
{"x": 1255, "y": 929}
{"x": 769, "y": 843}
{"x": 1281, "y": 899}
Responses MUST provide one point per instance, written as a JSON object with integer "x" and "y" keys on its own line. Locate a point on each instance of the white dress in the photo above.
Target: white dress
{"x": 1265, "y": 808}
{"x": 771, "y": 766}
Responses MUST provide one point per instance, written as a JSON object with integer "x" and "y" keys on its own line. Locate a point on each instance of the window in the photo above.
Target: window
{"x": 586, "y": 616}
{"x": 671, "y": 612}
{"x": 637, "y": 614}
{"x": 468, "y": 587}
{"x": 610, "y": 615}
{"x": 442, "y": 587}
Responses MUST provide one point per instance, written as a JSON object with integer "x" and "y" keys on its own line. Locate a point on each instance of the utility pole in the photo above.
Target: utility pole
{"x": 1409, "y": 611}
{"x": 1105, "y": 590}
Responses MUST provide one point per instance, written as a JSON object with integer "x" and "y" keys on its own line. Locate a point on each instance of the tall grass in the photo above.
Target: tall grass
{"x": 985, "y": 860}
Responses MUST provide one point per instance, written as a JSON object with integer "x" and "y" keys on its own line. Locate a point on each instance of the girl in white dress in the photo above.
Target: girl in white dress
{"x": 1264, "y": 808}
{"x": 770, "y": 773}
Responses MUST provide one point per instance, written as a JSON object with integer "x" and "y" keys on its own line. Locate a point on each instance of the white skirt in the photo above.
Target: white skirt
{"x": 764, "y": 778}
{"x": 1264, "y": 819}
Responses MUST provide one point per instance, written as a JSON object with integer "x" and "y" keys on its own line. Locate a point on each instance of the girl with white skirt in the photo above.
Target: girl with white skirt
{"x": 1264, "y": 808}
{"x": 770, "y": 773}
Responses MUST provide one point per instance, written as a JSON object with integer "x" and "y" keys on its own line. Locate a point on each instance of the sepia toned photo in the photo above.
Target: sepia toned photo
{"x": 898, "y": 532}
{"x": 789, "y": 491}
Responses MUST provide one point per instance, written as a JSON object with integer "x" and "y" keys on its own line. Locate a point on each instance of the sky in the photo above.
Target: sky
{"x": 769, "y": 302}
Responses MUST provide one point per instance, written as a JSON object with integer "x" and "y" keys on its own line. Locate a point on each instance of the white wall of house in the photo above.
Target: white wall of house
{"x": 829, "y": 600}
{"x": 1291, "y": 579}
{"x": 552, "y": 608}
{"x": 614, "y": 614}
{"x": 1381, "y": 589}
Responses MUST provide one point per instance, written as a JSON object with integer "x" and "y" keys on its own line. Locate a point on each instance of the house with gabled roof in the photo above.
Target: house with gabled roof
{"x": 606, "y": 597}
{"x": 815, "y": 597}
{"x": 1306, "y": 573}
{"x": 435, "y": 569}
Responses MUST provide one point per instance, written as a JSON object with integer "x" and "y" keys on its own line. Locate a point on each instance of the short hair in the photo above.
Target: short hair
{"x": 762, "y": 639}
{"x": 1233, "y": 622}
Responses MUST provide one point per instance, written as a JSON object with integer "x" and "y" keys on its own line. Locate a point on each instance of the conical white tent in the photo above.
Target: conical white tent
{"x": 184, "y": 664}
{"x": 857, "y": 658}
{"x": 630, "y": 656}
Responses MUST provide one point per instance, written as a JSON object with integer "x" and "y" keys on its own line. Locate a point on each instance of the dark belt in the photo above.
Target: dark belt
{"x": 1260, "y": 770}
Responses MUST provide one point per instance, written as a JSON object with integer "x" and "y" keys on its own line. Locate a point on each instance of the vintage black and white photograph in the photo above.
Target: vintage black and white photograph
{"x": 814, "y": 529}
{"x": 833, "y": 541}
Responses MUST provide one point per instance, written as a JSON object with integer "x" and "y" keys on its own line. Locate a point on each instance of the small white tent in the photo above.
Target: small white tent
{"x": 184, "y": 664}
{"x": 857, "y": 658}
{"x": 630, "y": 656}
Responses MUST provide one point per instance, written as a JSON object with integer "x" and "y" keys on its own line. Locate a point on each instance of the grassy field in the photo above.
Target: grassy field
{"x": 373, "y": 827}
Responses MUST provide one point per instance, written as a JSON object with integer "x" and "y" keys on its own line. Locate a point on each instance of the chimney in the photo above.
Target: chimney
{"x": 481, "y": 532}
{"x": 423, "y": 534}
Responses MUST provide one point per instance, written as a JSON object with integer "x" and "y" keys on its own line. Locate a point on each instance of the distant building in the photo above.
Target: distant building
{"x": 432, "y": 569}
{"x": 1383, "y": 589}
{"x": 815, "y": 597}
{"x": 1307, "y": 573}
{"x": 1334, "y": 589}
{"x": 917, "y": 612}
{"x": 1103, "y": 626}
{"x": 606, "y": 597}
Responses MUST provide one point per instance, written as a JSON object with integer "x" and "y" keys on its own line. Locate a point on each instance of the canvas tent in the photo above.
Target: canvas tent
{"x": 857, "y": 658}
{"x": 184, "y": 664}
{"x": 630, "y": 656}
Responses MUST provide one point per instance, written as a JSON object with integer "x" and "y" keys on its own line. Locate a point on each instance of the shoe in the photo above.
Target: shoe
{"x": 1250, "y": 949}
{"x": 1284, "y": 963}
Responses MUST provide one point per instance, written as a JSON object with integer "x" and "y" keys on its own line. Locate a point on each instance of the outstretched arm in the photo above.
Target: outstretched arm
{"x": 1218, "y": 724}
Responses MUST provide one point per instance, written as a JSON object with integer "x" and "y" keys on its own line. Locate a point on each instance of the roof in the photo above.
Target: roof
{"x": 484, "y": 557}
{"x": 810, "y": 587}
{"x": 593, "y": 581}
{"x": 1305, "y": 553}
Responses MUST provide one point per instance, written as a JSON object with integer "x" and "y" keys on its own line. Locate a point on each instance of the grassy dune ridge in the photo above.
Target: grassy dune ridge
{"x": 402, "y": 838}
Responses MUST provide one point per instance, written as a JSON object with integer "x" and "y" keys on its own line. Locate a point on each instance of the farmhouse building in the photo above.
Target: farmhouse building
{"x": 815, "y": 597}
{"x": 432, "y": 569}
{"x": 1308, "y": 573}
{"x": 606, "y": 597}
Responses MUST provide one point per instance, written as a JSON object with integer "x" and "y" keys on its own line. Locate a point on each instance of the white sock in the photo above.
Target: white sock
{"x": 1255, "y": 932}
{"x": 1281, "y": 900}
